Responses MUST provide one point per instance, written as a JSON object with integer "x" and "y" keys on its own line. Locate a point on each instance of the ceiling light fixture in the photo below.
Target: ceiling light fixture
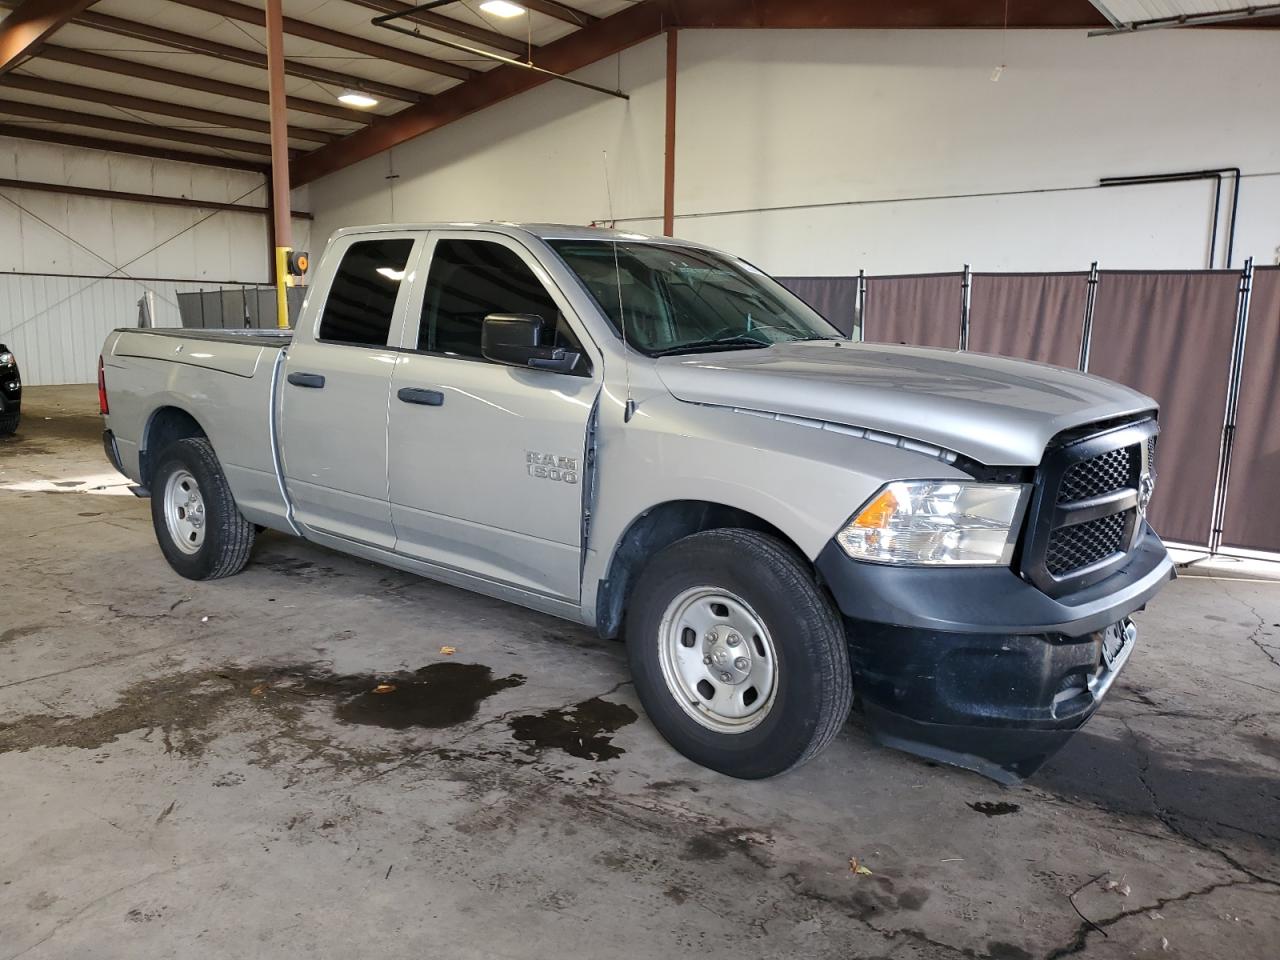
{"x": 502, "y": 8}
{"x": 354, "y": 98}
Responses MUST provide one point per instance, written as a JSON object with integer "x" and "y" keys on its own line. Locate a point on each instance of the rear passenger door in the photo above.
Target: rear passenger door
{"x": 486, "y": 460}
{"x": 333, "y": 401}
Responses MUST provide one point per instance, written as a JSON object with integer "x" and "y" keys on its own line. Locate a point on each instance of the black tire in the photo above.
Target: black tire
{"x": 228, "y": 536}
{"x": 9, "y": 423}
{"x": 813, "y": 681}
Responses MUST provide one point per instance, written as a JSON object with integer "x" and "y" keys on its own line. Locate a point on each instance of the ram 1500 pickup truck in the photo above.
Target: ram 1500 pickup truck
{"x": 655, "y": 439}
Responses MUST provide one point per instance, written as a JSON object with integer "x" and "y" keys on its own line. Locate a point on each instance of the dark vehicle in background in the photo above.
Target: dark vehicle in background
{"x": 10, "y": 392}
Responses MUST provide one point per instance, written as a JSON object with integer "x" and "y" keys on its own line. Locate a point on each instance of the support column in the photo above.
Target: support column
{"x": 669, "y": 169}
{"x": 281, "y": 214}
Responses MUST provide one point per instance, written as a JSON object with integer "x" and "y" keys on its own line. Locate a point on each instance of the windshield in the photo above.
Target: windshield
{"x": 676, "y": 299}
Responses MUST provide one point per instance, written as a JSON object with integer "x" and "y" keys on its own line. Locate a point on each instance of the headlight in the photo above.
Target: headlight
{"x": 937, "y": 522}
{"x": 6, "y": 359}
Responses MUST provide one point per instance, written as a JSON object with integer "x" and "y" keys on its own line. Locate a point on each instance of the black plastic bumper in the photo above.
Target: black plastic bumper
{"x": 109, "y": 447}
{"x": 977, "y": 667}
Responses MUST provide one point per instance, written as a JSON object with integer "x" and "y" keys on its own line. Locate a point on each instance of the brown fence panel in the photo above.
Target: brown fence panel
{"x": 1032, "y": 316}
{"x": 836, "y": 298}
{"x": 1253, "y": 517}
{"x": 1169, "y": 335}
{"x": 922, "y": 310}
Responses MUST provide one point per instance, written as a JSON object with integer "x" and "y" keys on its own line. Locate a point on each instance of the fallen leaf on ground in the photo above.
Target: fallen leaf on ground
{"x": 259, "y": 690}
{"x": 859, "y": 869}
{"x": 448, "y": 651}
{"x": 385, "y": 688}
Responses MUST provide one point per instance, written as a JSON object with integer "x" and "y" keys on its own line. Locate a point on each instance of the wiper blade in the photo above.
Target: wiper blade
{"x": 703, "y": 346}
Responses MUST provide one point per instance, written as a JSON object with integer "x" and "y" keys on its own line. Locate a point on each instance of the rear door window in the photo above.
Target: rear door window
{"x": 362, "y": 298}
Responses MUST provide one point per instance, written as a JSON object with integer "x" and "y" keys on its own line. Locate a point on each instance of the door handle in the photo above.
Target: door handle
{"x": 306, "y": 380}
{"x": 428, "y": 398}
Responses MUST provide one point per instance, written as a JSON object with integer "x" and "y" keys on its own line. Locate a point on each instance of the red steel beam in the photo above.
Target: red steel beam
{"x": 191, "y": 81}
{"x": 334, "y": 38}
{"x": 560, "y": 11}
{"x": 140, "y": 197}
{"x": 881, "y": 14}
{"x": 30, "y": 25}
{"x": 225, "y": 51}
{"x": 281, "y": 222}
{"x": 149, "y": 150}
{"x": 38, "y": 111}
{"x": 111, "y": 98}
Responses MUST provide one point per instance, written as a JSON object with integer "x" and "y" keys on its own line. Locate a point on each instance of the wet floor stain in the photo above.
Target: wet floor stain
{"x": 17, "y": 633}
{"x": 583, "y": 730}
{"x": 295, "y": 568}
{"x": 438, "y": 695}
{"x": 989, "y": 808}
{"x": 1000, "y": 950}
{"x": 182, "y": 709}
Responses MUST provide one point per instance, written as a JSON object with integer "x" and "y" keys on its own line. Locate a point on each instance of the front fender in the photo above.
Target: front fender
{"x": 797, "y": 477}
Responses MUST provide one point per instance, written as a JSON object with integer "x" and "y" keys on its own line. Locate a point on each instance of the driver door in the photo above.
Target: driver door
{"x": 486, "y": 459}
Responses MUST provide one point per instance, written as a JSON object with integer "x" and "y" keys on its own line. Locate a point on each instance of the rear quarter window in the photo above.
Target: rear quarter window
{"x": 362, "y": 298}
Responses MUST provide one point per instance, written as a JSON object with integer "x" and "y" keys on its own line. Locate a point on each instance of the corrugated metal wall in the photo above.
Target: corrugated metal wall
{"x": 56, "y": 324}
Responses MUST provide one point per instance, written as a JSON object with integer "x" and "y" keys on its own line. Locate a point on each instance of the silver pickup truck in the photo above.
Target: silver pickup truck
{"x": 657, "y": 440}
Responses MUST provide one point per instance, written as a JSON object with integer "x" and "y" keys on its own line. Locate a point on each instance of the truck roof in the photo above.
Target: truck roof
{"x": 543, "y": 231}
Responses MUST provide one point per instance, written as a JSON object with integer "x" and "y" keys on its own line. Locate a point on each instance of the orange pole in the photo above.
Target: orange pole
{"x": 281, "y": 215}
{"x": 669, "y": 170}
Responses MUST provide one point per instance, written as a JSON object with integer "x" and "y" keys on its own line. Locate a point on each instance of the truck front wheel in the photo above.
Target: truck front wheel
{"x": 739, "y": 657}
{"x": 200, "y": 530}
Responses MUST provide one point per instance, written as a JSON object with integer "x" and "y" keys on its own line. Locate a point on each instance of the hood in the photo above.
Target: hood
{"x": 997, "y": 411}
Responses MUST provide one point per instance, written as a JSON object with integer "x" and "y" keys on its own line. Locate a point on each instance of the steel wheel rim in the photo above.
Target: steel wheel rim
{"x": 184, "y": 513}
{"x": 718, "y": 659}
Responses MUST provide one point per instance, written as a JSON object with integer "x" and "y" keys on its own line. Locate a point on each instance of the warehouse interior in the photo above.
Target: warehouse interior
{"x": 202, "y": 768}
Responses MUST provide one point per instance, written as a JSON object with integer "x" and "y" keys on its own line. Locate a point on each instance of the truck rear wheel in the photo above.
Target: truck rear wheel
{"x": 200, "y": 530}
{"x": 738, "y": 656}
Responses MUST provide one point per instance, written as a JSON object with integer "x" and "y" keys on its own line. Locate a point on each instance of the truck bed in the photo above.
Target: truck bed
{"x": 266, "y": 338}
{"x": 242, "y": 353}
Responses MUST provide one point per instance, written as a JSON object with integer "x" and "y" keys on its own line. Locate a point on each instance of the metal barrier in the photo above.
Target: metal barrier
{"x": 1192, "y": 339}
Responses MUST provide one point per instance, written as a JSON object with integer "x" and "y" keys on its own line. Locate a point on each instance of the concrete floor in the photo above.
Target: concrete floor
{"x": 203, "y": 770}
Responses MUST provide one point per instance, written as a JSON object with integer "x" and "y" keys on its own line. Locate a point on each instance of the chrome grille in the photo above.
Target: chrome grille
{"x": 1072, "y": 548}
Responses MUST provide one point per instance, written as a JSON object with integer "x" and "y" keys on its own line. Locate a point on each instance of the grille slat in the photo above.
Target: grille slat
{"x": 1072, "y": 548}
{"x": 1105, "y": 473}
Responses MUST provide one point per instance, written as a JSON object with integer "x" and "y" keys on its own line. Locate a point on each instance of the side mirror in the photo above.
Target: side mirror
{"x": 516, "y": 340}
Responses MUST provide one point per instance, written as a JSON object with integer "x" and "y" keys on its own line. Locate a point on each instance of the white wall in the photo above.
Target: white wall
{"x": 913, "y": 159}
{"x": 57, "y": 323}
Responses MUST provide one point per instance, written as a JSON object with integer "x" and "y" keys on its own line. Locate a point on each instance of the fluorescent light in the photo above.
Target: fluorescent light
{"x": 502, "y": 8}
{"x": 354, "y": 98}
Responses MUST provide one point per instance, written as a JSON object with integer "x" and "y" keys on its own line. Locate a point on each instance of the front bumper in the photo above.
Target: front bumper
{"x": 977, "y": 667}
{"x": 10, "y": 398}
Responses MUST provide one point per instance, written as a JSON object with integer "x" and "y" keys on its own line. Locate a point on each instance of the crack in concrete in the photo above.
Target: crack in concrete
{"x": 1254, "y": 637}
{"x": 1081, "y": 937}
{"x": 1166, "y": 817}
